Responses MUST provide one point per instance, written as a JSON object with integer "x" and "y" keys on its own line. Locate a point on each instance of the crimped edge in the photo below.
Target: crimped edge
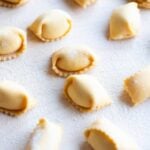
{"x": 11, "y": 112}
{"x": 18, "y": 52}
{"x": 80, "y": 108}
{"x": 11, "y": 5}
{"x": 86, "y": 4}
{"x": 29, "y": 105}
{"x": 63, "y": 73}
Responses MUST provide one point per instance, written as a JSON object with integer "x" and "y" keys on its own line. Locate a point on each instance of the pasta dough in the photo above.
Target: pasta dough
{"x": 84, "y": 92}
{"x": 84, "y": 3}
{"x": 46, "y": 136}
{"x": 12, "y": 3}
{"x": 14, "y": 99}
{"x": 52, "y": 25}
{"x": 72, "y": 60}
{"x": 138, "y": 85}
{"x": 103, "y": 135}
{"x": 124, "y": 22}
{"x": 12, "y": 42}
{"x": 143, "y": 3}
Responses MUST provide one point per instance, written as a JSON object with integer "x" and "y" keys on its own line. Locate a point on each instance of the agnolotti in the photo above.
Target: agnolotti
{"x": 103, "y": 135}
{"x": 72, "y": 60}
{"x": 84, "y": 3}
{"x": 86, "y": 93}
{"x": 14, "y": 99}
{"x": 12, "y": 3}
{"x": 52, "y": 25}
{"x": 124, "y": 22}
{"x": 138, "y": 86}
{"x": 46, "y": 136}
{"x": 12, "y": 42}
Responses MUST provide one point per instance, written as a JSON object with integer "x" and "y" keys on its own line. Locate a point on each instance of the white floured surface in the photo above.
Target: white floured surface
{"x": 117, "y": 61}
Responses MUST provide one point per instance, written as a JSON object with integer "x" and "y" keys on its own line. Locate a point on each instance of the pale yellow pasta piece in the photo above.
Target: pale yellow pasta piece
{"x": 52, "y": 25}
{"x": 85, "y": 93}
{"x": 14, "y": 99}
{"x": 143, "y": 3}
{"x": 72, "y": 60}
{"x": 124, "y": 22}
{"x": 12, "y": 42}
{"x": 103, "y": 135}
{"x": 12, "y": 3}
{"x": 84, "y": 3}
{"x": 46, "y": 136}
{"x": 138, "y": 86}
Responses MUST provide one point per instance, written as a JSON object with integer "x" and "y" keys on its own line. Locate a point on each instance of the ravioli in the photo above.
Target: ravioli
{"x": 14, "y": 99}
{"x": 52, "y": 25}
{"x": 124, "y": 22}
{"x": 103, "y": 135}
{"x": 138, "y": 86}
{"x": 12, "y": 43}
{"x": 86, "y": 93}
{"x": 72, "y": 60}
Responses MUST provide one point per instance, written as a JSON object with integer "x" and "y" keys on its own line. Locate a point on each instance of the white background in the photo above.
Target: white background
{"x": 118, "y": 60}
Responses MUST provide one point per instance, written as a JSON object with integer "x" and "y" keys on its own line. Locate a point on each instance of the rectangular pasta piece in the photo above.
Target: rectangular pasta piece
{"x": 138, "y": 86}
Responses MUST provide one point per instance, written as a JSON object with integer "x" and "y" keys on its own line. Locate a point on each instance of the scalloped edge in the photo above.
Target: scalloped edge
{"x": 11, "y": 112}
{"x": 31, "y": 104}
{"x": 66, "y": 74}
{"x": 63, "y": 73}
